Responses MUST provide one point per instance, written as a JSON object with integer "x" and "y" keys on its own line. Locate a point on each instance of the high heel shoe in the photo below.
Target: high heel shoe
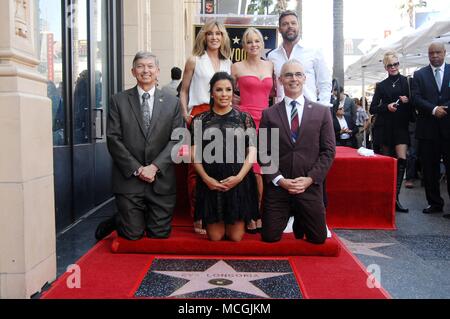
{"x": 251, "y": 227}
{"x": 259, "y": 225}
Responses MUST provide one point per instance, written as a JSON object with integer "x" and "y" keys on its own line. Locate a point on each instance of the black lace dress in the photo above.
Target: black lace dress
{"x": 222, "y": 158}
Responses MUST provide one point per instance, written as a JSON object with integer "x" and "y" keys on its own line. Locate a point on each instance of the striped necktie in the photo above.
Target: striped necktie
{"x": 294, "y": 121}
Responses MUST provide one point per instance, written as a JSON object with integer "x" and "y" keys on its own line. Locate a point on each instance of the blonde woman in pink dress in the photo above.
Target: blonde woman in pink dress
{"x": 255, "y": 81}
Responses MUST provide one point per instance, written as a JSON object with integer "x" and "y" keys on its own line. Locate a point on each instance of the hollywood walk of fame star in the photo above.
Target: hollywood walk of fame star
{"x": 220, "y": 275}
{"x": 236, "y": 40}
{"x": 366, "y": 248}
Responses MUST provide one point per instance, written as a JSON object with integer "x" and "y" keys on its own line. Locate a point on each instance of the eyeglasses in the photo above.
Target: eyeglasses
{"x": 396, "y": 64}
{"x": 290, "y": 75}
{"x": 340, "y": 108}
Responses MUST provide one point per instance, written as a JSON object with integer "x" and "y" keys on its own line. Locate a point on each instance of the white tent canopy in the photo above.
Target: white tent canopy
{"x": 411, "y": 45}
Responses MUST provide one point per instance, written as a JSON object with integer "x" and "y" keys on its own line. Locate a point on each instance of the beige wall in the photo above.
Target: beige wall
{"x": 27, "y": 213}
{"x": 27, "y": 228}
{"x": 163, "y": 27}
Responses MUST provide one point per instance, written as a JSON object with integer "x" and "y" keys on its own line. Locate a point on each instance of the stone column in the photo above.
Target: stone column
{"x": 136, "y": 34}
{"x": 163, "y": 27}
{"x": 27, "y": 214}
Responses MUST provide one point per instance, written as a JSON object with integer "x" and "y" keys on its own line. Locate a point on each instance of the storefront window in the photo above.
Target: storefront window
{"x": 80, "y": 74}
{"x": 51, "y": 57}
{"x": 101, "y": 64}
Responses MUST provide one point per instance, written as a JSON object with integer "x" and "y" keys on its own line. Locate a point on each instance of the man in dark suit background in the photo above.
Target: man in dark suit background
{"x": 344, "y": 128}
{"x": 139, "y": 129}
{"x": 431, "y": 97}
{"x": 348, "y": 104}
{"x": 306, "y": 149}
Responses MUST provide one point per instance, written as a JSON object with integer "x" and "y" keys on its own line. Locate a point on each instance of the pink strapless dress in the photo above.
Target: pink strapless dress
{"x": 254, "y": 95}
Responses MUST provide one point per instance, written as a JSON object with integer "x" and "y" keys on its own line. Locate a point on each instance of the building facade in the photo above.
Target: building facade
{"x": 60, "y": 60}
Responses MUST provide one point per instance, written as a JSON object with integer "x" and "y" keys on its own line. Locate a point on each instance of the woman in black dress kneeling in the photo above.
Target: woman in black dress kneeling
{"x": 391, "y": 104}
{"x": 223, "y": 151}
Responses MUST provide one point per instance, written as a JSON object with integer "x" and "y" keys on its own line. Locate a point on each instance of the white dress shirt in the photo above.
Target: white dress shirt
{"x": 300, "y": 107}
{"x": 343, "y": 123}
{"x": 150, "y": 105}
{"x": 441, "y": 71}
{"x": 318, "y": 75}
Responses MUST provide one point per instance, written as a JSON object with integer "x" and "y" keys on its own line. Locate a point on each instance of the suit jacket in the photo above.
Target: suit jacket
{"x": 351, "y": 126}
{"x": 131, "y": 147}
{"x": 350, "y": 108}
{"x": 311, "y": 155}
{"x": 426, "y": 97}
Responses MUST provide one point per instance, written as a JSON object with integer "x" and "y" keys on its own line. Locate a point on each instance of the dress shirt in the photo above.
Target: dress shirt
{"x": 150, "y": 104}
{"x": 171, "y": 87}
{"x": 150, "y": 100}
{"x": 300, "y": 107}
{"x": 442, "y": 67}
{"x": 318, "y": 75}
{"x": 343, "y": 123}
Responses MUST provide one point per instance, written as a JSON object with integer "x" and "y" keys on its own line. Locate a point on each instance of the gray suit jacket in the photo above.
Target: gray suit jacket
{"x": 314, "y": 151}
{"x": 131, "y": 147}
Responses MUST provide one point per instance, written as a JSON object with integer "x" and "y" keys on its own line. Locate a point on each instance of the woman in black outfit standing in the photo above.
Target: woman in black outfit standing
{"x": 393, "y": 110}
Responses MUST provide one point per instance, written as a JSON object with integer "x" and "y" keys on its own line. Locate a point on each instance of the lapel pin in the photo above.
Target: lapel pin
{"x": 160, "y": 100}
{"x": 309, "y": 106}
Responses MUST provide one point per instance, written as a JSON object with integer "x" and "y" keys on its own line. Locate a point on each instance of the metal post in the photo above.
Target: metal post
{"x": 363, "y": 100}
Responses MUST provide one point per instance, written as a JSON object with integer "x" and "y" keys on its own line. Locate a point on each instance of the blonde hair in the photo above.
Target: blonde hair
{"x": 389, "y": 55}
{"x": 200, "y": 40}
{"x": 247, "y": 33}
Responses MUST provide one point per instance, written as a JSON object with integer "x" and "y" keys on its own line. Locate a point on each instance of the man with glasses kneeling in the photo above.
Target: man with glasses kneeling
{"x": 295, "y": 165}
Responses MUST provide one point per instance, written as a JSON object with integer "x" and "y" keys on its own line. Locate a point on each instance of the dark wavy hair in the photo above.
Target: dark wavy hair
{"x": 219, "y": 76}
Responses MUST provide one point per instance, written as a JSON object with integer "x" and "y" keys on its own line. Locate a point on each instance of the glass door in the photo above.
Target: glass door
{"x": 90, "y": 69}
{"x": 79, "y": 52}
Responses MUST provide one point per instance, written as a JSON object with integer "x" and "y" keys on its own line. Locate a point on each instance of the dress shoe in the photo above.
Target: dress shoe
{"x": 432, "y": 210}
{"x": 446, "y": 216}
{"x": 105, "y": 228}
{"x": 399, "y": 208}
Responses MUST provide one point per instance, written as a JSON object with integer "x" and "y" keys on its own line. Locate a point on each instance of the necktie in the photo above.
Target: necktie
{"x": 437, "y": 76}
{"x": 294, "y": 121}
{"x": 145, "y": 108}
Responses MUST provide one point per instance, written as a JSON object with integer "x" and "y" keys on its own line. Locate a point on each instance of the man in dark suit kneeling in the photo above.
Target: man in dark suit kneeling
{"x": 297, "y": 161}
{"x": 139, "y": 129}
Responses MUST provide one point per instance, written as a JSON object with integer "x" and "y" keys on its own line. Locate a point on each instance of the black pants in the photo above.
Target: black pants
{"x": 430, "y": 154}
{"x": 145, "y": 213}
{"x": 309, "y": 216}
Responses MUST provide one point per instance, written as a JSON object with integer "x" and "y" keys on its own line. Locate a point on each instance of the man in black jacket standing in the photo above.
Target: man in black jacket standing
{"x": 431, "y": 96}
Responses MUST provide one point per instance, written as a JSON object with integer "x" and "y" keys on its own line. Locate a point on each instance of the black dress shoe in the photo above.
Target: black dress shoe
{"x": 446, "y": 216}
{"x": 399, "y": 208}
{"x": 432, "y": 210}
{"x": 105, "y": 228}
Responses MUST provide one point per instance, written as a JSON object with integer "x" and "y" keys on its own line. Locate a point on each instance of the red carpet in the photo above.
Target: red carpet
{"x": 105, "y": 276}
{"x": 183, "y": 241}
{"x": 361, "y": 191}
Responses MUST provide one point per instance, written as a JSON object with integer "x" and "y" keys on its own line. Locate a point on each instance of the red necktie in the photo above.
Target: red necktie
{"x": 294, "y": 121}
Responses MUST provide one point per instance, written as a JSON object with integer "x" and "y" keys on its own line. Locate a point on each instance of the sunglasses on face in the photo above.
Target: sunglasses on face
{"x": 396, "y": 64}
